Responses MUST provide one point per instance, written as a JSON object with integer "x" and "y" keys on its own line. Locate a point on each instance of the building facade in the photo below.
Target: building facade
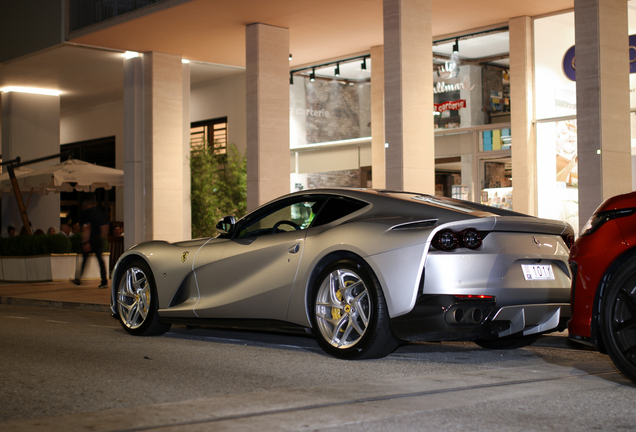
{"x": 484, "y": 102}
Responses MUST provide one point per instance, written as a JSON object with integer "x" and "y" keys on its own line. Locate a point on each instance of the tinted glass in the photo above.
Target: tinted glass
{"x": 335, "y": 208}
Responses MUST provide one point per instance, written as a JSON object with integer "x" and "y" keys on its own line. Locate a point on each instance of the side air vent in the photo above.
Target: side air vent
{"x": 415, "y": 225}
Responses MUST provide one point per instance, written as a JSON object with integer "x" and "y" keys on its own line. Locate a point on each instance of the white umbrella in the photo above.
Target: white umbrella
{"x": 66, "y": 176}
{"x": 20, "y": 171}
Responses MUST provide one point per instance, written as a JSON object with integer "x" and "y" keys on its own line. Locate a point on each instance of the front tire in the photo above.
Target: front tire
{"x": 137, "y": 304}
{"x": 349, "y": 314}
{"x": 618, "y": 320}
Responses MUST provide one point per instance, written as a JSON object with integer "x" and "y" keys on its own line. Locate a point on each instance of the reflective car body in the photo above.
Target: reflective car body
{"x": 603, "y": 263}
{"x": 428, "y": 268}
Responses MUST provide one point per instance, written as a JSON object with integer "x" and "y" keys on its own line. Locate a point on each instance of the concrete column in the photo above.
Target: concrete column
{"x": 524, "y": 149}
{"x": 473, "y": 114}
{"x": 408, "y": 101}
{"x": 153, "y": 148}
{"x": 267, "y": 89}
{"x": 31, "y": 130}
{"x": 134, "y": 202}
{"x": 602, "y": 94}
{"x": 378, "y": 165}
{"x": 187, "y": 205}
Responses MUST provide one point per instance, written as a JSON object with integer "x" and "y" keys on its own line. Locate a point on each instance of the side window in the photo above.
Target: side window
{"x": 335, "y": 208}
{"x": 292, "y": 217}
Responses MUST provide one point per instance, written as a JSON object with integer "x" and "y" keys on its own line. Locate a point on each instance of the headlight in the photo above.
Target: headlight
{"x": 598, "y": 219}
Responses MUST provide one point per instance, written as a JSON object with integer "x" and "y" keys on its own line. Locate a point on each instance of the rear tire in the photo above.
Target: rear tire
{"x": 349, "y": 316}
{"x": 618, "y": 320}
{"x": 136, "y": 297}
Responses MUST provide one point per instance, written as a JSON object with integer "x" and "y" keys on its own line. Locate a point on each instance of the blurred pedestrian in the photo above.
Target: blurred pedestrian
{"x": 51, "y": 230}
{"x": 11, "y": 231}
{"x": 94, "y": 229}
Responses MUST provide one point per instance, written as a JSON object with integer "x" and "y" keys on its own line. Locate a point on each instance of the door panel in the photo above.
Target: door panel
{"x": 252, "y": 279}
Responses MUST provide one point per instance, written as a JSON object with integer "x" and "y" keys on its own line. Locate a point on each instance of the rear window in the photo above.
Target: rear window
{"x": 335, "y": 208}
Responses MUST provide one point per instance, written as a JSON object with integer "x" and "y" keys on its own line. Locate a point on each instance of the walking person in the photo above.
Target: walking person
{"x": 94, "y": 230}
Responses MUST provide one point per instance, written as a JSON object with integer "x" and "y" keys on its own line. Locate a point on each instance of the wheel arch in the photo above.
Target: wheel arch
{"x": 616, "y": 266}
{"x": 323, "y": 263}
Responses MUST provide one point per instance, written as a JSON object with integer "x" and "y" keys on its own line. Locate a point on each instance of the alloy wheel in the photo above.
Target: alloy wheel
{"x": 343, "y": 308}
{"x": 133, "y": 298}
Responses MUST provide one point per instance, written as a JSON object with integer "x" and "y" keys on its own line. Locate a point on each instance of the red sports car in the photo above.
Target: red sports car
{"x": 603, "y": 264}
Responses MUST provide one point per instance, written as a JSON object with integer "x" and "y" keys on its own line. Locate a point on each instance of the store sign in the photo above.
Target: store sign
{"x": 449, "y": 70}
{"x": 450, "y": 106}
{"x": 442, "y": 87}
{"x": 569, "y": 63}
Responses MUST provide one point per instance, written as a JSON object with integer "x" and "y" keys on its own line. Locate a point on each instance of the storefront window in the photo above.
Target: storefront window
{"x": 557, "y": 172}
{"x": 471, "y": 83}
{"x": 555, "y": 96}
{"x": 555, "y": 92}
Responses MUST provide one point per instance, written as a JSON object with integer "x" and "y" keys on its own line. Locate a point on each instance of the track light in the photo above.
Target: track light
{"x": 312, "y": 75}
{"x": 363, "y": 66}
{"x": 290, "y": 56}
{"x": 337, "y": 71}
{"x": 456, "y": 46}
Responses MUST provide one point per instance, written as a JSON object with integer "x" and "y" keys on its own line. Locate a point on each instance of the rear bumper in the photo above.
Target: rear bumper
{"x": 446, "y": 317}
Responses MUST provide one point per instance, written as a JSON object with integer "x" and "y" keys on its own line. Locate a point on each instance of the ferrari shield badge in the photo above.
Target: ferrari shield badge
{"x": 184, "y": 256}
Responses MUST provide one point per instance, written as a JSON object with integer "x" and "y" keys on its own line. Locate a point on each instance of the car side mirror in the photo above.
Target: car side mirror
{"x": 226, "y": 225}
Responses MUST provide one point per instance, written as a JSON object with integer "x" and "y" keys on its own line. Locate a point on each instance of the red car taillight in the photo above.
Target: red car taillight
{"x": 568, "y": 239}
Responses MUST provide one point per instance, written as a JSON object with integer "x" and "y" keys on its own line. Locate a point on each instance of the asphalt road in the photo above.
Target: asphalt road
{"x": 78, "y": 370}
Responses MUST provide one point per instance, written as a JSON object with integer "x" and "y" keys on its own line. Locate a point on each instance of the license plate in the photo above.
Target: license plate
{"x": 537, "y": 272}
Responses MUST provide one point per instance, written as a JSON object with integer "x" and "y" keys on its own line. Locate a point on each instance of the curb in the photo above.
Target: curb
{"x": 55, "y": 304}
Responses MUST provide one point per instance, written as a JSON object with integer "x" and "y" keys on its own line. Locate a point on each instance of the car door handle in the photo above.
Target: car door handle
{"x": 294, "y": 249}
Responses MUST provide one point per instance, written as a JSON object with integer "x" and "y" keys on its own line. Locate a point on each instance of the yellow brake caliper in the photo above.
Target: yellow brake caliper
{"x": 336, "y": 313}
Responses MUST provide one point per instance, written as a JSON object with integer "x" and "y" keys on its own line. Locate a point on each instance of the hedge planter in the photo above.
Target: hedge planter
{"x": 47, "y": 268}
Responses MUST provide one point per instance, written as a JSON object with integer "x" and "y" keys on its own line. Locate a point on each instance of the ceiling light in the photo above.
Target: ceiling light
{"x": 185, "y": 61}
{"x": 290, "y": 56}
{"x": 337, "y": 71}
{"x": 130, "y": 54}
{"x": 363, "y": 66}
{"x": 31, "y": 90}
{"x": 456, "y": 46}
{"x": 312, "y": 75}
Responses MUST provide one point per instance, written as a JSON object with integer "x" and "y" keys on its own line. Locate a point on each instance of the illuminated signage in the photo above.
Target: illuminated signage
{"x": 569, "y": 60}
{"x": 450, "y": 106}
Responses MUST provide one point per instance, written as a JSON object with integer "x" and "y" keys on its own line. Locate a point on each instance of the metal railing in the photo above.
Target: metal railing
{"x": 84, "y": 13}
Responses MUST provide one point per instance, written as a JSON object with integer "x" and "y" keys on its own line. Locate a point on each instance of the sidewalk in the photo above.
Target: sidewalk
{"x": 62, "y": 295}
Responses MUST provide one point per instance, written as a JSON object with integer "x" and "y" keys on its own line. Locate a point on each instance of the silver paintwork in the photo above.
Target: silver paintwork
{"x": 269, "y": 276}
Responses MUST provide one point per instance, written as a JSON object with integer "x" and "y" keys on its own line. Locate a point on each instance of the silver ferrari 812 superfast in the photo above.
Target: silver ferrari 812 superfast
{"x": 363, "y": 270}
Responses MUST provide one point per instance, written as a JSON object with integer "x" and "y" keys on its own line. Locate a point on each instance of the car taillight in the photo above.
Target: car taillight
{"x": 472, "y": 239}
{"x": 447, "y": 240}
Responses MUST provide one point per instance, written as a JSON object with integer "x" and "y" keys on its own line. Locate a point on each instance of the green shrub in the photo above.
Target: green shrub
{"x": 218, "y": 188}
{"x": 35, "y": 245}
